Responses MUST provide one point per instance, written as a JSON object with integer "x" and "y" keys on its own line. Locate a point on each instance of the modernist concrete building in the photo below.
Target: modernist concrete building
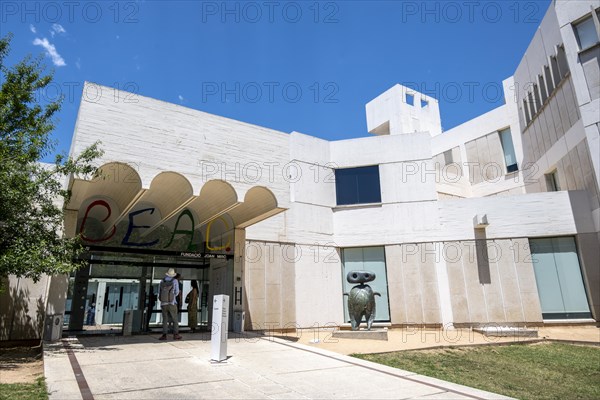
{"x": 495, "y": 221}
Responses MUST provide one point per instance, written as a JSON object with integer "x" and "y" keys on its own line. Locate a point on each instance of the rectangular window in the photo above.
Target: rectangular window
{"x": 563, "y": 65}
{"x": 558, "y": 278}
{"x": 542, "y": 85}
{"x": 536, "y": 97}
{"x": 526, "y": 112}
{"x": 509, "y": 151}
{"x": 448, "y": 157}
{"x": 552, "y": 184}
{"x": 586, "y": 34}
{"x": 531, "y": 104}
{"x": 548, "y": 79}
{"x": 555, "y": 72}
{"x": 410, "y": 99}
{"x": 357, "y": 185}
{"x": 368, "y": 259}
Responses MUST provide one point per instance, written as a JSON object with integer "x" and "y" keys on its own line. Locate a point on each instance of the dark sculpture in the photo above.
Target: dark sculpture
{"x": 361, "y": 299}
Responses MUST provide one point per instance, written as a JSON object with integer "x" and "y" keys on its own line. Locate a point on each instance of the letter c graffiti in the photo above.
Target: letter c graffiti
{"x": 92, "y": 205}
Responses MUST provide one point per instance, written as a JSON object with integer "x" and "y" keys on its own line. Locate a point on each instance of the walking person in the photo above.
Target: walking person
{"x": 192, "y": 300}
{"x": 168, "y": 292}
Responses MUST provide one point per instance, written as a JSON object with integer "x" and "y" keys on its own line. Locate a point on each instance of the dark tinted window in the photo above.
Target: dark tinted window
{"x": 357, "y": 185}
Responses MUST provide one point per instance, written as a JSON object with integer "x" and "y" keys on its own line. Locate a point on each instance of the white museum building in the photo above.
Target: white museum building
{"x": 495, "y": 221}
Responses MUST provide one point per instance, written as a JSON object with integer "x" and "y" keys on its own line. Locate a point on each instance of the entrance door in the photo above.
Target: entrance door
{"x": 558, "y": 278}
{"x": 118, "y": 297}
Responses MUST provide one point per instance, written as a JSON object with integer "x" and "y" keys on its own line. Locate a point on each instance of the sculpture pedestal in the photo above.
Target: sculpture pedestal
{"x": 373, "y": 334}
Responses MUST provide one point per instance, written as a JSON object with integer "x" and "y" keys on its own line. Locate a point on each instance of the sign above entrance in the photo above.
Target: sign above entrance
{"x": 146, "y": 251}
{"x": 206, "y": 255}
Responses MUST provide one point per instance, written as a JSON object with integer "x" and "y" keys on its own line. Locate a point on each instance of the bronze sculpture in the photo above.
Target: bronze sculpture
{"x": 361, "y": 299}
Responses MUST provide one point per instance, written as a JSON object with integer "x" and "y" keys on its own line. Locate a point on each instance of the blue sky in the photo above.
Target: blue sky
{"x": 302, "y": 66}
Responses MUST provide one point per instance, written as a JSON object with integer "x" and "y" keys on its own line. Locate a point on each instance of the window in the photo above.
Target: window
{"x": 585, "y": 31}
{"x": 410, "y": 99}
{"x": 543, "y": 91}
{"x": 509, "y": 151}
{"x": 424, "y": 103}
{"x": 357, "y": 185}
{"x": 563, "y": 65}
{"x": 548, "y": 77}
{"x": 531, "y": 104}
{"x": 448, "y": 157}
{"x": 370, "y": 259}
{"x": 552, "y": 182}
{"x": 555, "y": 72}
{"x": 526, "y": 112}
{"x": 536, "y": 97}
{"x": 558, "y": 278}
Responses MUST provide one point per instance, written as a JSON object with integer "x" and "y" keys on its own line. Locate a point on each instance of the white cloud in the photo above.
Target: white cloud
{"x": 78, "y": 63}
{"x": 51, "y": 51}
{"x": 180, "y": 98}
{"x": 57, "y": 28}
{"x": 32, "y": 28}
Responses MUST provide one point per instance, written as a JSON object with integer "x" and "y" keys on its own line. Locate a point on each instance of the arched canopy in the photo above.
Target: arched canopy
{"x": 118, "y": 193}
{"x": 117, "y": 181}
{"x": 259, "y": 203}
{"x": 216, "y": 198}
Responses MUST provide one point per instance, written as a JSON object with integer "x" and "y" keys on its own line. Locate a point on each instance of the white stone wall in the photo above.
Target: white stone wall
{"x": 23, "y": 305}
{"x": 154, "y": 136}
{"x": 270, "y": 285}
{"x": 499, "y": 289}
{"x": 571, "y": 115}
{"x": 391, "y": 114}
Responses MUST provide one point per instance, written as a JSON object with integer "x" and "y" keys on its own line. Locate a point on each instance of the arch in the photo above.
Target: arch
{"x": 261, "y": 194}
{"x": 216, "y": 198}
{"x": 219, "y": 187}
{"x": 116, "y": 180}
{"x": 169, "y": 191}
{"x": 259, "y": 203}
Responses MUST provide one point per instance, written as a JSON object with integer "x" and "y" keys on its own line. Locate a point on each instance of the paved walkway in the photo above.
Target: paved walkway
{"x": 141, "y": 367}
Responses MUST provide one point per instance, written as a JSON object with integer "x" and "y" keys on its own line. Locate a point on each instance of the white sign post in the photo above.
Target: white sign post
{"x": 220, "y": 318}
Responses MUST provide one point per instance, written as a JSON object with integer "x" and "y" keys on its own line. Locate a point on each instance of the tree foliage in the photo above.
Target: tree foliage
{"x": 32, "y": 193}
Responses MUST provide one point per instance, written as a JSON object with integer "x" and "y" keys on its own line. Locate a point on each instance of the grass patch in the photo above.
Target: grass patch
{"x": 540, "y": 371}
{"x": 24, "y": 391}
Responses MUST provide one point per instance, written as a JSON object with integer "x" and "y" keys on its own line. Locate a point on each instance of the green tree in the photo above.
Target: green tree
{"x": 32, "y": 193}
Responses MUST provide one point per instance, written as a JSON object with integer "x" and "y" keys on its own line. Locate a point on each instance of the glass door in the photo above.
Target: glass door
{"x": 558, "y": 278}
{"x": 367, "y": 259}
{"x": 118, "y": 297}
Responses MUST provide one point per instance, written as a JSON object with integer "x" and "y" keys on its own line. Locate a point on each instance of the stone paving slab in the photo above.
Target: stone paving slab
{"x": 142, "y": 367}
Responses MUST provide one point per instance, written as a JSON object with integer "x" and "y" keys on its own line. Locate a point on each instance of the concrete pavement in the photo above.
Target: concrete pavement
{"x": 141, "y": 367}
